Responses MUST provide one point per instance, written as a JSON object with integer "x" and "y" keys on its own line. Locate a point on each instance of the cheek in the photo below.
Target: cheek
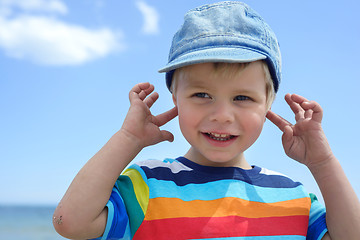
{"x": 186, "y": 127}
{"x": 255, "y": 124}
{"x": 189, "y": 120}
{"x": 185, "y": 118}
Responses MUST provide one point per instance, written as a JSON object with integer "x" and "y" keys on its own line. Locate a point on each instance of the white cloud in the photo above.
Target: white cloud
{"x": 54, "y": 6}
{"x": 46, "y": 40}
{"x": 151, "y": 17}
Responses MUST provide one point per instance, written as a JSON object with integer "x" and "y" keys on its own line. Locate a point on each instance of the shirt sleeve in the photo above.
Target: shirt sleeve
{"x": 317, "y": 220}
{"x": 127, "y": 205}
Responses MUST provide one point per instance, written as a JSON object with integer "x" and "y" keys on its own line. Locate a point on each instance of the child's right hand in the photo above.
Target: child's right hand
{"x": 140, "y": 125}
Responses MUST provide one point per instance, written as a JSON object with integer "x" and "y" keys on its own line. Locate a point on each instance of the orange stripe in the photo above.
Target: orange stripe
{"x": 160, "y": 208}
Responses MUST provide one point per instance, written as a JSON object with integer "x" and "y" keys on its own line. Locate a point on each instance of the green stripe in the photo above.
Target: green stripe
{"x": 313, "y": 197}
{"x": 136, "y": 215}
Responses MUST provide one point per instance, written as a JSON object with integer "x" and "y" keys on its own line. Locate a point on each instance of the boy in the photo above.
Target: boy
{"x": 223, "y": 72}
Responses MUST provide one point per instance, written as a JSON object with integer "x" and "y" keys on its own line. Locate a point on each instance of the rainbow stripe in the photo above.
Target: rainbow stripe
{"x": 178, "y": 199}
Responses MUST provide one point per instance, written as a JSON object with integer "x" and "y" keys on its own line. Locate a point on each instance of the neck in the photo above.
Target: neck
{"x": 238, "y": 161}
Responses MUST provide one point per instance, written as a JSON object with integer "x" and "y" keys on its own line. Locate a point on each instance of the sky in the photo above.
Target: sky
{"x": 66, "y": 68}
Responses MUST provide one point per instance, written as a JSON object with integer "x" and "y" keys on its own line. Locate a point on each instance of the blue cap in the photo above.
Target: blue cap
{"x": 224, "y": 32}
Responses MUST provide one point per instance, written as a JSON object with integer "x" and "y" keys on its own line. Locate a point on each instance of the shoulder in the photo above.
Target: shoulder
{"x": 167, "y": 164}
{"x": 267, "y": 173}
{"x": 275, "y": 179}
{"x": 159, "y": 167}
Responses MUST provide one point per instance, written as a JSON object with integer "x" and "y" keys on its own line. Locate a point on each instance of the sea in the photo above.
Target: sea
{"x": 27, "y": 223}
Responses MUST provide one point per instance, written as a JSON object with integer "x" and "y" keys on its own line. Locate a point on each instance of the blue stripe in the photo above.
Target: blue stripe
{"x": 290, "y": 237}
{"x": 223, "y": 188}
{"x": 317, "y": 229}
{"x": 115, "y": 189}
{"x": 321, "y": 235}
{"x": 118, "y": 215}
{"x": 110, "y": 217}
{"x": 316, "y": 211}
{"x": 204, "y": 174}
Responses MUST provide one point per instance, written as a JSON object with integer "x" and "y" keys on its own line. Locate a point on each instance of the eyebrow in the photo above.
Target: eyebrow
{"x": 195, "y": 83}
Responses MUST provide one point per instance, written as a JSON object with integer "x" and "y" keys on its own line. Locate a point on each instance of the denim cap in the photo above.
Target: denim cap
{"x": 224, "y": 32}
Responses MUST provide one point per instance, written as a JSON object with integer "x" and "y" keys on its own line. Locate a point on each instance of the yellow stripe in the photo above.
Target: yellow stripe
{"x": 141, "y": 189}
{"x": 160, "y": 208}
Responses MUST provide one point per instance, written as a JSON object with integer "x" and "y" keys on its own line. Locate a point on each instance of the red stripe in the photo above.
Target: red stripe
{"x": 232, "y": 226}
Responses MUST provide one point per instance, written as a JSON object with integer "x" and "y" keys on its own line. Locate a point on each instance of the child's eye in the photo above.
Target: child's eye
{"x": 241, "y": 98}
{"x": 201, "y": 95}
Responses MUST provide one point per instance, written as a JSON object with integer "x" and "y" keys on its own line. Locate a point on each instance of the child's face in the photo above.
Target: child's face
{"x": 220, "y": 115}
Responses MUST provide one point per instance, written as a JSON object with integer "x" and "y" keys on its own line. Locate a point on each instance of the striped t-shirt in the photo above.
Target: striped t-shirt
{"x": 179, "y": 199}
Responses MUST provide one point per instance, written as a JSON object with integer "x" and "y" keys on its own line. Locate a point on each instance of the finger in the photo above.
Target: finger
{"x": 295, "y": 107}
{"x": 277, "y": 120}
{"x": 299, "y": 99}
{"x": 167, "y": 136}
{"x": 150, "y": 100}
{"x": 145, "y": 92}
{"x": 139, "y": 87}
{"x": 315, "y": 109}
{"x": 140, "y": 91}
{"x": 165, "y": 117}
{"x": 308, "y": 114}
{"x": 134, "y": 92}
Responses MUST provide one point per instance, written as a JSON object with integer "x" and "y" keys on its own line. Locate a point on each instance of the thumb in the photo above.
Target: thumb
{"x": 167, "y": 136}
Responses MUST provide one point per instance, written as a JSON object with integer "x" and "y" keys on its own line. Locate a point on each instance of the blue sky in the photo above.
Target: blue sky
{"x": 67, "y": 66}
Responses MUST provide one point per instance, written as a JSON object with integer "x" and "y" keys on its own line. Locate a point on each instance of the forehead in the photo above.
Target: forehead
{"x": 221, "y": 74}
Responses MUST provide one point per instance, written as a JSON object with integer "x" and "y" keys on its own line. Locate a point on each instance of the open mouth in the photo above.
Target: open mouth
{"x": 220, "y": 137}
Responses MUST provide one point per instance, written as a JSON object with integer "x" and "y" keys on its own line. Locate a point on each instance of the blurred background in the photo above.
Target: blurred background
{"x": 66, "y": 68}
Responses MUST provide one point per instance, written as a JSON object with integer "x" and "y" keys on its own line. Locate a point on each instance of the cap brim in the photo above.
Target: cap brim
{"x": 226, "y": 54}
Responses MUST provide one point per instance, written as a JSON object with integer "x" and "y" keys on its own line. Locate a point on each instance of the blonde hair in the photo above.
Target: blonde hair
{"x": 233, "y": 69}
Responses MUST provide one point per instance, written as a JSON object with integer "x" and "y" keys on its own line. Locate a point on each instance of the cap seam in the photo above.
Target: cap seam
{"x": 189, "y": 41}
{"x": 217, "y": 46}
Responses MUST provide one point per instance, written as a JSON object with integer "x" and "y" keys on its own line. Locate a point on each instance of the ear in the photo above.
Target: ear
{"x": 266, "y": 114}
{"x": 174, "y": 99}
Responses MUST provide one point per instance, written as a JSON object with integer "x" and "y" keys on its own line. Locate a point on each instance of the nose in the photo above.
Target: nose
{"x": 222, "y": 113}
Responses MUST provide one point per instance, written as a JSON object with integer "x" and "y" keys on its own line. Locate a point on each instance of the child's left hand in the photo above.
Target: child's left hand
{"x": 304, "y": 141}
